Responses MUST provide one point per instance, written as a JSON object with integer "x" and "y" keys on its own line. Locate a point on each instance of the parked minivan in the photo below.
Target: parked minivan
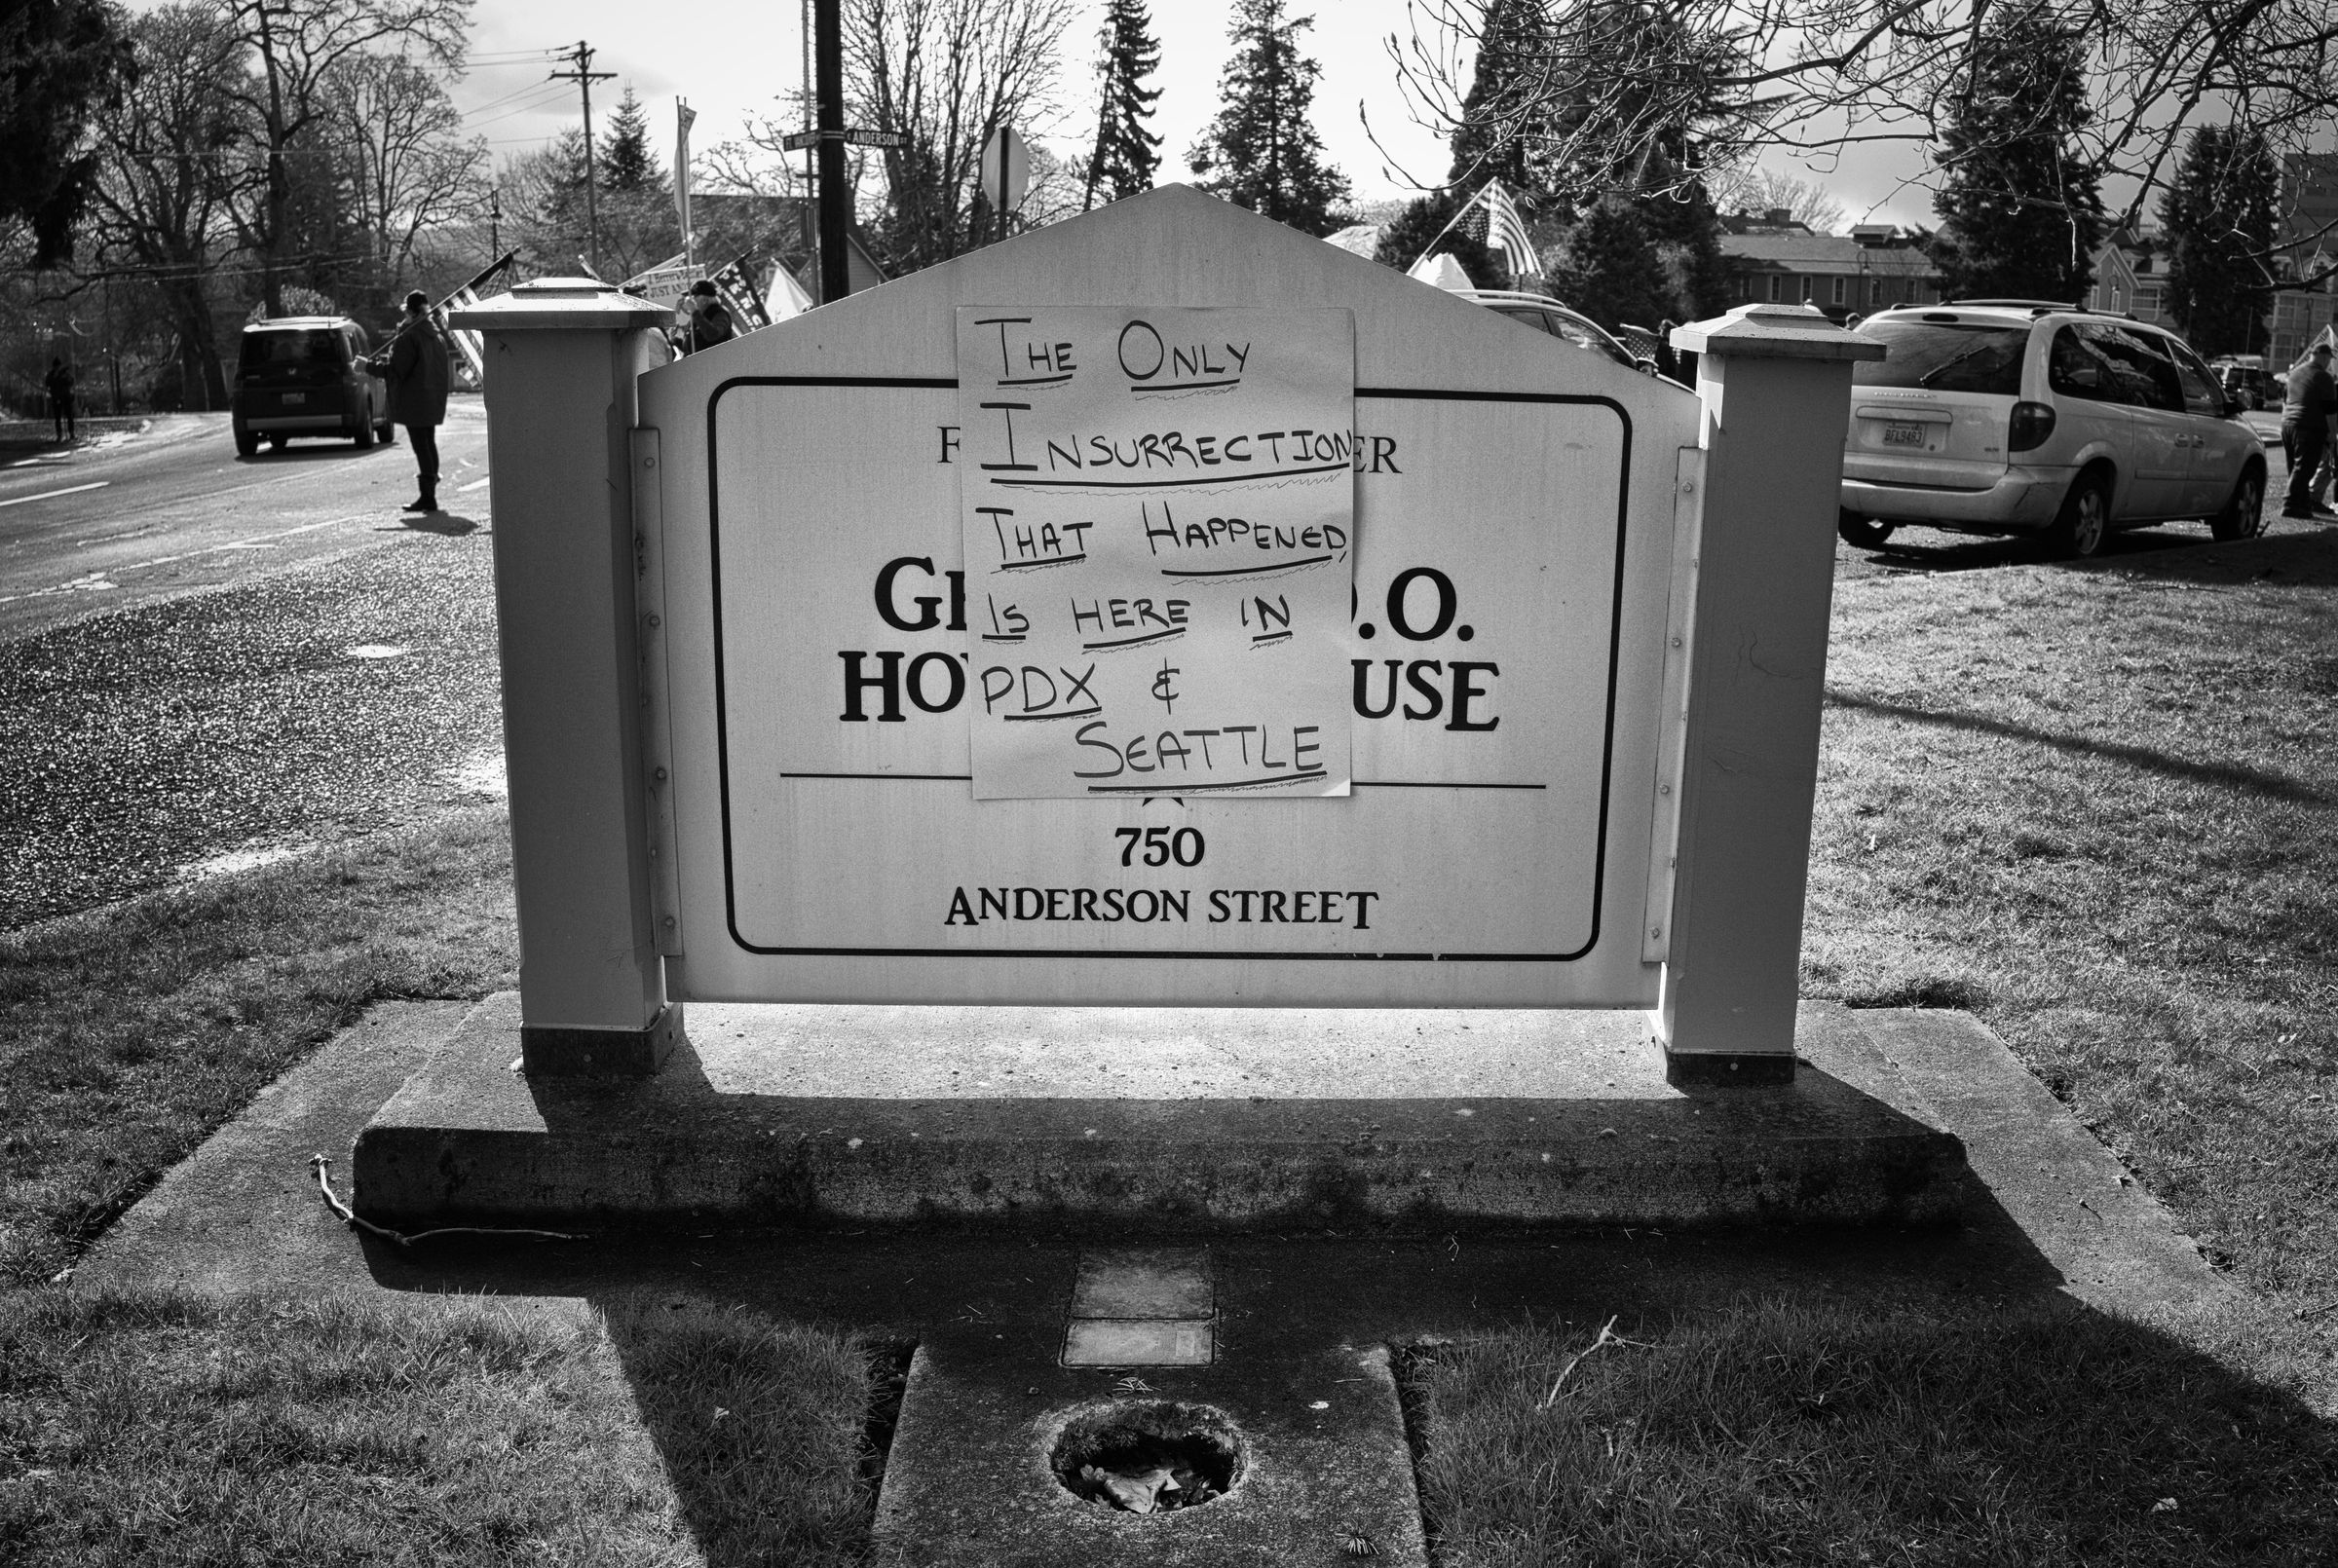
{"x": 2019, "y": 416}
{"x": 305, "y": 375}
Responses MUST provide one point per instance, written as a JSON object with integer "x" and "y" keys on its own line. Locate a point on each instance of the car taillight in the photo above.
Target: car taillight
{"x": 2032, "y": 424}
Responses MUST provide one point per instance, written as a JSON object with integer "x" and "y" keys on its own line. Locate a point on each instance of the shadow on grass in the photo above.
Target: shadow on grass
{"x": 1788, "y": 1431}
{"x": 2256, "y": 781}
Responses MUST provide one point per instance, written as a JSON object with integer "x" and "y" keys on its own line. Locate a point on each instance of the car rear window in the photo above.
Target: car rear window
{"x": 322, "y": 347}
{"x": 1946, "y": 357}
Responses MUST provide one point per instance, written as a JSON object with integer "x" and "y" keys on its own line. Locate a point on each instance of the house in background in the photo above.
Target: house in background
{"x": 2130, "y": 278}
{"x": 1772, "y": 258}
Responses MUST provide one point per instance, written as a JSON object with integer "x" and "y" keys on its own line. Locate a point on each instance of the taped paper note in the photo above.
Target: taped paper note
{"x": 1158, "y": 509}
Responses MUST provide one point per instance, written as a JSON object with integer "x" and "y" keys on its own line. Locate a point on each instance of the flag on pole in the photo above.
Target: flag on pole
{"x": 1491, "y": 218}
{"x": 683, "y": 115}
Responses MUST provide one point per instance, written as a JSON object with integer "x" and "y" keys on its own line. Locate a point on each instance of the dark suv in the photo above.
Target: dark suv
{"x": 305, "y": 375}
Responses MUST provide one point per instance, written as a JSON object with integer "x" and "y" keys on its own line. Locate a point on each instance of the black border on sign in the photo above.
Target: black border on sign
{"x": 722, "y": 718}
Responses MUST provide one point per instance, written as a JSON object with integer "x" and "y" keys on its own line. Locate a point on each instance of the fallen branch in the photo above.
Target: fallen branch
{"x": 1607, "y": 1336}
{"x": 324, "y": 1184}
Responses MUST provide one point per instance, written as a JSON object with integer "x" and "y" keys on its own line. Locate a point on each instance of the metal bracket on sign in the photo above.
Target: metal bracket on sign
{"x": 1671, "y": 737}
{"x": 657, "y": 725}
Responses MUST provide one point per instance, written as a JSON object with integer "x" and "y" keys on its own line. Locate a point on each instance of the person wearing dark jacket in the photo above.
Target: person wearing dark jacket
{"x": 709, "y": 322}
{"x": 59, "y": 383}
{"x": 419, "y": 369}
{"x": 2307, "y": 414}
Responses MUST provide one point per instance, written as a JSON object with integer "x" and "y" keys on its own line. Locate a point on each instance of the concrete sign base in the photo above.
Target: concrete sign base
{"x": 1151, "y": 1120}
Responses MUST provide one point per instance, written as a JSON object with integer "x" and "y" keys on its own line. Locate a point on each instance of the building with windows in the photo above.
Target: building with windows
{"x": 1874, "y": 267}
{"x": 2130, "y": 278}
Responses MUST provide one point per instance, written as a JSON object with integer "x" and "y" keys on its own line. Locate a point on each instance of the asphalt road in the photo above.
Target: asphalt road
{"x": 132, "y": 518}
{"x": 210, "y": 664}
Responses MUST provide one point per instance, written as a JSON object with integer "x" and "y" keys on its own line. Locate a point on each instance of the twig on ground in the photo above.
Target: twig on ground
{"x": 1607, "y": 1336}
{"x": 324, "y": 1184}
{"x": 2304, "y": 1313}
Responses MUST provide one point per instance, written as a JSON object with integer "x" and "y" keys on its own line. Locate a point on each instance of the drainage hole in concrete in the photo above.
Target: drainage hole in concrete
{"x": 1148, "y": 1456}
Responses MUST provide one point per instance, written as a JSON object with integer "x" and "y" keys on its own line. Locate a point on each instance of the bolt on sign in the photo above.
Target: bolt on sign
{"x": 1158, "y": 509}
{"x": 1162, "y": 607}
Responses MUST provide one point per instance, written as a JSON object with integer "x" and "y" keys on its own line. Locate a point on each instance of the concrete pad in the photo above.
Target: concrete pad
{"x": 1144, "y": 1283}
{"x": 2117, "y": 1246}
{"x": 967, "y": 1484}
{"x": 243, "y": 1212}
{"x": 1161, "y": 1119}
{"x": 1137, "y": 1342}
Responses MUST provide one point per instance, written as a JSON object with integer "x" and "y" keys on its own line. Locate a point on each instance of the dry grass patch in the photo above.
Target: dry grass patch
{"x": 129, "y": 1033}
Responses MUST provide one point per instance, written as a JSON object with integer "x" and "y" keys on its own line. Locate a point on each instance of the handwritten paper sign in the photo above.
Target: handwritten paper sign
{"x": 1158, "y": 516}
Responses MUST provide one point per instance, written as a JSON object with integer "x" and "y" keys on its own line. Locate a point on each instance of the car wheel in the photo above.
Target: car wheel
{"x": 1866, "y": 533}
{"x": 2083, "y": 525}
{"x": 2244, "y": 516}
{"x": 364, "y": 436}
{"x": 248, "y": 442}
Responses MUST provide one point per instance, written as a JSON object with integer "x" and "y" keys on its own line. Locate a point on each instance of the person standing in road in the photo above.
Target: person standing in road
{"x": 2307, "y": 413}
{"x": 59, "y": 382}
{"x": 419, "y": 370}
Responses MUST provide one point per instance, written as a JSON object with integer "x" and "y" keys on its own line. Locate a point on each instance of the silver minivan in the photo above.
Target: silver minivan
{"x": 2017, "y": 416}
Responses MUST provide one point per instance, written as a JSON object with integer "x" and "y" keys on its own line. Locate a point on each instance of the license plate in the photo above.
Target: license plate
{"x": 296, "y": 398}
{"x": 1897, "y": 434}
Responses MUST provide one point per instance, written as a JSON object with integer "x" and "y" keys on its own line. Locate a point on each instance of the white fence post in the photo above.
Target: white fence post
{"x": 562, "y": 355}
{"x": 1776, "y": 385}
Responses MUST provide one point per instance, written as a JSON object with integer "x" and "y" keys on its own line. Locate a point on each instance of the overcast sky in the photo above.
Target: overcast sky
{"x": 731, "y": 59}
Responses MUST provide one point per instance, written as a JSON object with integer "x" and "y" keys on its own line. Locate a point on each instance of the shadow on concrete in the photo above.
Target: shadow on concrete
{"x": 2226, "y": 775}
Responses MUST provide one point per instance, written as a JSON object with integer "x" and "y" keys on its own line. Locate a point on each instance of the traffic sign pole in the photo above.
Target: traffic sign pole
{"x": 836, "y": 275}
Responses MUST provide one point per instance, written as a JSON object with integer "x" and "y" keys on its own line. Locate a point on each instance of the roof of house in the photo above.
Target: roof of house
{"x": 1824, "y": 253}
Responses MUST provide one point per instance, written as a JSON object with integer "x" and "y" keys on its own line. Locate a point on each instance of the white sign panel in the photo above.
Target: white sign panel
{"x": 1157, "y": 510}
{"x": 1479, "y": 674}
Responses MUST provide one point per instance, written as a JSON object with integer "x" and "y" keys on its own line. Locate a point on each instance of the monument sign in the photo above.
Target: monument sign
{"x": 1164, "y": 607}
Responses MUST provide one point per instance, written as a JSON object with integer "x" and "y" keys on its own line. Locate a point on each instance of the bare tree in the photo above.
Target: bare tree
{"x": 946, "y": 74}
{"x": 1733, "y": 80}
{"x": 294, "y": 45}
{"x": 169, "y": 152}
{"x": 409, "y": 169}
{"x": 1765, "y": 190}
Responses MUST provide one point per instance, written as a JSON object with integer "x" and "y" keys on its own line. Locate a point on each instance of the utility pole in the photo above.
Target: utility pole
{"x": 836, "y": 275}
{"x": 585, "y": 76}
{"x": 495, "y": 220}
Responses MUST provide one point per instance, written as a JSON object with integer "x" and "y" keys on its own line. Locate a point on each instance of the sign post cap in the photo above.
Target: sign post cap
{"x": 1764, "y": 331}
{"x": 561, "y": 304}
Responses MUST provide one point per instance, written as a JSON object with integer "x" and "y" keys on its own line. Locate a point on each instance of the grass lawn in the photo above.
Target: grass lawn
{"x": 2096, "y": 806}
{"x": 129, "y": 1034}
{"x": 2044, "y": 1434}
{"x": 2092, "y": 804}
{"x": 157, "y": 1427}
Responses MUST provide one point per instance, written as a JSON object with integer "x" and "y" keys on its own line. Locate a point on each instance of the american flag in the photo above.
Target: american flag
{"x": 1491, "y": 218}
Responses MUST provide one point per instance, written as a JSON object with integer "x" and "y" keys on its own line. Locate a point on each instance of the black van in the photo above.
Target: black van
{"x": 305, "y": 375}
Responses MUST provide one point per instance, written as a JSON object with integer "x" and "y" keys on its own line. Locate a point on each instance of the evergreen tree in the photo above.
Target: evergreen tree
{"x": 1612, "y": 272}
{"x": 2219, "y": 217}
{"x": 2025, "y": 212}
{"x": 627, "y": 164}
{"x": 1261, "y": 152}
{"x": 1417, "y": 231}
{"x": 1126, "y": 153}
{"x": 1686, "y": 232}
